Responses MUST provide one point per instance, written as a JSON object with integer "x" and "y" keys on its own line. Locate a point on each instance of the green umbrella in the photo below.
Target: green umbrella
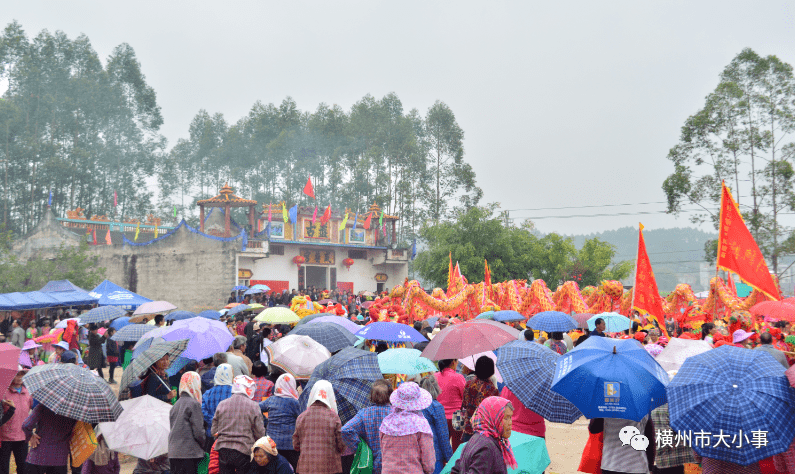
{"x": 530, "y": 453}
{"x": 486, "y": 315}
{"x": 404, "y": 361}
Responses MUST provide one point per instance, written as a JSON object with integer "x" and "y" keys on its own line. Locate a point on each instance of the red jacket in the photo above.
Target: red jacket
{"x": 213, "y": 467}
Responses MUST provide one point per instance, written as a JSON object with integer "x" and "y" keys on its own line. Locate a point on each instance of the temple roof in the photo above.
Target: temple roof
{"x": 227, "y": 197}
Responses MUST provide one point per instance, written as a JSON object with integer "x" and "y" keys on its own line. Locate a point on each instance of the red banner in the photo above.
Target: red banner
{"x": 646, "y": 297}
{"x": 276, "y": 286}
{"x": 737, "y": 249}
{"x": 309, "y": 190}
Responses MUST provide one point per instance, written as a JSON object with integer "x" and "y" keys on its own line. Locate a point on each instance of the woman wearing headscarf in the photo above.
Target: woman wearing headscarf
{"x": 266, "y": 459}
{"x": 222, "y": 389}
{"x": 186, "y": 439}
{"x": 237, "y": 425}
{"x": 102, "y": 460}
{"x": 436, "y": 418}
{"x": 406, "y": 437}
{"x": 283, "y": 409}
{"x": 318, "y": 433}
{"x": 489, "y": 449}
{"x": 475, "y": 391}
{"x": 155, "y": 384}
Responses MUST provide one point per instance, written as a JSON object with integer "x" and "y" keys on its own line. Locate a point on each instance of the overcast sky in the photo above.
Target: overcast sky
{"x": 563, "y": 104}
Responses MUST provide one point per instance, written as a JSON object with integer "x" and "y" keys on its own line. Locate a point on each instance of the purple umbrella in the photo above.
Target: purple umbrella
{"x": 207, "y": 337}
{"x": 344, "y": 322}
{"x": 390, "y": 332}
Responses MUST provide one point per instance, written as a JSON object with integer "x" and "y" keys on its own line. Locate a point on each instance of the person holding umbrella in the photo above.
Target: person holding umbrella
{"x": 475, "y": 391}
{"x": 112, "y": 349}
{"x": 489, "y": 450}
{"x": 48, "y": 435}
{"x": 237, "y": 424}
{"x": 318, "y": 433}
{"x": 283, "y": 410}
{"x": 616, "y": 458}
{"x": 186, "y": 439}
{"x": 17, "y": 404}
{"x": 96, "y": 360}
{"x": 452, "y": 385}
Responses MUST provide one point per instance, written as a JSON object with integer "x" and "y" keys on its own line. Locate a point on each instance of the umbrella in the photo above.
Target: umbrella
{"x": 206, "y": 337}
{"x": 179, "y": 315}
{"x": 331, "y": 335}
{"x": 73, "y": 391}
{"x": 277, "y": 316}
{"x": 777, "y": 310}
{"x": 678, "y": 350}
{"x": 231, "y": 305}
{"x": 367, "y": 293}
{"x": 582, "y": 319}
{"x": 611, "y": 378}
{"x": 508, "y": 316}
{"x": 528, "y": 369}
{"x": 530, "y": 453}
{"x": 141, "y": 364}
{"x": 298, "y": 355}
{"x": 432, "y": 321}
{"x": 9, "y": 357}
{"x": 210, "y": 314}
{"x": 734, "y": 391}
{"x": 261, "y": 287}
{"x": 119, "y": 323}
{"x": 154, "y": 307}
{"x": 327, "y": 301}
{"x": 367, "y": 304}
{"x": 390, "y": 332}
{"x": 142, "y": 429}
{"x": 253, "y": 291}
{"x": 469, "y": 362}
{"x": 404, "y": 361}
{"x": 52, "y": 337}
{"x": 614, "y": 322}
{"x": 351, "y": 373}
{"x": 240, "y": 288}
{"x": 101, "y": 313}
{"x": 552, "y": 321}
{"x": 344, "y": 322}
{"x": 132, "y": 332}
{"x": 237, "y": 309}
{"x": 255, "y": 306}
{"x": 472, "y": 337}
{"x": 312, "y": 317}
{"x": 63, "y": 323}
{"x": 486, "y": 315}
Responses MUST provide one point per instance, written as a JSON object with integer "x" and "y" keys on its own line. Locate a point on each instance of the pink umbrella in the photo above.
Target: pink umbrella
{"x": 469, "y": 362}
{"x": 153, "y": 307}
{"x": 367, "y": 304}
{"x": 582, "y": 319}
{"x": 9, "y": 363}
{"x": 469, "y": 338}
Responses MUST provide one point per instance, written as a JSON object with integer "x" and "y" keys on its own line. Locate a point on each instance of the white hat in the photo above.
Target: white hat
{"x": 63, "y": 345}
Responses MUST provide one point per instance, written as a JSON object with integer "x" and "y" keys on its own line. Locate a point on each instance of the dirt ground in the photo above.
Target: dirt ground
{"x": 565, "y": 444}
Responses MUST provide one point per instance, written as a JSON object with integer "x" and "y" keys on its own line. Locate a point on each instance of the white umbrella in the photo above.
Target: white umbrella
{"x": 298, "y": 355}
{"x": 142, "y": 429}
{"x": 677, "y": 350}
{"x": 62, "y": 324}
{"x": 469, "y": 362}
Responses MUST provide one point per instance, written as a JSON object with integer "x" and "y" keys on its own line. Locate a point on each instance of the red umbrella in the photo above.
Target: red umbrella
{"x": 774, "y": 310}
{"x": 367, "y": 304}
{"x": 9, "y": 363}
{"x": 582, "y": 319}
{"x": 469, "y": 338}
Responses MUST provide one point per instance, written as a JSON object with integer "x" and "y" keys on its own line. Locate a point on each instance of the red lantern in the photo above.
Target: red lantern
{"x": 299, "y": 260}
{"x": 348, "y": 262}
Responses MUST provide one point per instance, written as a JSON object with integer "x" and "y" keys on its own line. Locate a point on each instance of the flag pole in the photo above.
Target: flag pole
{"x": 637, "y": 256}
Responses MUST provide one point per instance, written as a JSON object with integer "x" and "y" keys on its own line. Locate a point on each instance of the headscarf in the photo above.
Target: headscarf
{"x": 191, "y": 383}
{"x": 285, "y": 387}
{"x": 488, "y": 422}
{"x": 245, "y": 385}
{"x": 223, "y": 375}
{"x": 324, "y": 392}
{"x": 267, "y": 444}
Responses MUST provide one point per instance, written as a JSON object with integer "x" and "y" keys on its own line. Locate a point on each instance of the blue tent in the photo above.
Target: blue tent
{"x": 111, "y": 294}
{"x": 29, "y": 300}
{"x": 67, "y": 293}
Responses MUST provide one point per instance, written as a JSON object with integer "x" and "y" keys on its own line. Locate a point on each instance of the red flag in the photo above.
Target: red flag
{"x": 738, "y": 252}
{"x": 646, "y": 297}
{"x": 308, "y": 189}
{"x": 107, "y": 238}
{"x": 314, "y": 216}
{"x": 95, "y": 236}
{"x": 367, "y": 222}
{"x": 326, "y": 215}
{"x": 115, "y": 199}
{"x": 269, "y": 212}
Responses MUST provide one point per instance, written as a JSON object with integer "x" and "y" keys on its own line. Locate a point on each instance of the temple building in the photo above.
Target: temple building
{"x": 195, "y": 268}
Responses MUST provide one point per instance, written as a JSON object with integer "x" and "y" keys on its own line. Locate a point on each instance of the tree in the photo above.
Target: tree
{"x": 743, "y": 130}
{"x": 513, "y": 252}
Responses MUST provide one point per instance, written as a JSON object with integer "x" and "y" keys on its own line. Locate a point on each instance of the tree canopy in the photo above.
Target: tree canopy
{"x": 513, "y": 252}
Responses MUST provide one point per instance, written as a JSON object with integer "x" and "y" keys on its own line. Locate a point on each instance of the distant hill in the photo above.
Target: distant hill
{"x": 676, "y": 254}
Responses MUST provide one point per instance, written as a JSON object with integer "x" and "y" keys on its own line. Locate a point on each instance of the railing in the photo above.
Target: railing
{"x": 103, "y": 225}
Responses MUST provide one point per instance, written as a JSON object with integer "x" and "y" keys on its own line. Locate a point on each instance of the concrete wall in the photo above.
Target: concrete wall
{"x": 191, "y": 271}
{"x": 45, "y": 239}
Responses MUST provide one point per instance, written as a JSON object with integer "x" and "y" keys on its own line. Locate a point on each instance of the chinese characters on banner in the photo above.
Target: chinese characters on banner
{"x": 316, "y": 230}
{"x": 318, "y": 257}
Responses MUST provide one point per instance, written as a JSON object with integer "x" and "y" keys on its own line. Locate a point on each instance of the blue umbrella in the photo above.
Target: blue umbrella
{"x": 738, "y": 393}
{"x": 240, "y": 288}
{"x": 133, "y": 332}
{"x": 237, "y": 309}
{"x": 261, "y": 287}
{"x": 119, "y": 323}
{"x": 333, "y": 336}
{"x": 614, "y": 322}
{"x": 210, "y": 314}
{"x": 507, "y": 316}
{"x": 404, "y": 361}
{"x": 432, "y": 321}
{"x": 390, "y": 332}
{"x": 485, "y": 315}
{"x": 179, "y": 315}
{"x": 101, "y": 313}
{"x": 527, "y": 369}
{"x": 611, "y": 378}
{"x": 552, "y": 321}
{"x": 253, "y": 291}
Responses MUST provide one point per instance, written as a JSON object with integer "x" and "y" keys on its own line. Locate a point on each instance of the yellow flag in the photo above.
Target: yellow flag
{"x": 137, "y": 230}
{"x": 155, "y": 229}
{"x": 344, "y": 222}
{"x": 284, "y": 213}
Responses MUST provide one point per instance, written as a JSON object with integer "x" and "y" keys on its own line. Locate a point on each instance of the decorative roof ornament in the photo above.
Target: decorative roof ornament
{"x": 225, "y": 197}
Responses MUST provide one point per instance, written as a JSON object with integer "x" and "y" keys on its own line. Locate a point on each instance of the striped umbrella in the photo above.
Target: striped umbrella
{"x": 132, "y": 332}
{"x": 74, "y": 392}
{"x": 141, "y": 364}
{"x": 101, "y": 313}
{"x": 332, "y": 336}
